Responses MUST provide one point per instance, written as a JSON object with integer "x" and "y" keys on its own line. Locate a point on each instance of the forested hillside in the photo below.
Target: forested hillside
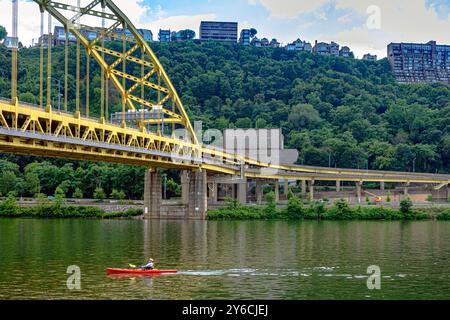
{"x": 336, "y": 111}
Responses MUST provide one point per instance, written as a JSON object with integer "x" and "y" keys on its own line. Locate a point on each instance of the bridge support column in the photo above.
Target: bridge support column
{"x": 448, "y": 193}
{"x": 213, "y": 189}
{"x": 152, "y": 195}
{"x": 194, "y": 194}
{"x": 405, "y": 190}
{"x": 277, "y": 191}
{"x": 304, "y": 188}
{"x": 311, "y": 190}
{"x": 242, "y": 192}
{"x": 259, "y": 192}
{"x": 233, "y": 191}
{"x": 286, "y": 188}
{"x": 338, "y": 185}
{"x": 358, "y": 190}
{"x": 382, "y": 186}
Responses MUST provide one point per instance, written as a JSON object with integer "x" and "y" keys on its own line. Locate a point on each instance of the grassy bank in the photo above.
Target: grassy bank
{"x": 340, "y": 210}
{"x": 54, "y": 209}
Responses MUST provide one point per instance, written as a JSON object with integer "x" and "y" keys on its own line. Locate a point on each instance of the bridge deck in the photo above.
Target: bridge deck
{"x": 27, "y": 129}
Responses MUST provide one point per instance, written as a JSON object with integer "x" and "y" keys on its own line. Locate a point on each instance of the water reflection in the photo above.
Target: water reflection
{"x": 224, "y": 260}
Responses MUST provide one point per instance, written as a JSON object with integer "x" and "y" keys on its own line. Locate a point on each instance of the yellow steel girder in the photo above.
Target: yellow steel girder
{"x": 148, "y": 59}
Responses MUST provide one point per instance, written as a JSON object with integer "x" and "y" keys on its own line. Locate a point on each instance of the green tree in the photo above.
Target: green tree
{"x": 118, "y": 195}
{"x": 406, "y": 205}
{"x": 304, "y": 116}
{"x": 9, "y": 206}
{"x": 186, "y": 34}
{"x": 3, "y": 33}
{"x": 295, "y": 209}
{"x": 271, "y": 207}
{"x": 8, "y": 181}
{"x": 244, "y": 123}
{"x": 99, "y": 193}
{"x": 59, "y": 193}
{"x": 77, "y": 194}
{"x": 32, "y": 184}
{"x": 173, "y": 188}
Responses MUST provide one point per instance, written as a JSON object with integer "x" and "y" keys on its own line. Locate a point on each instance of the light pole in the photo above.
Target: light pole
{"x": 59, "y": 93}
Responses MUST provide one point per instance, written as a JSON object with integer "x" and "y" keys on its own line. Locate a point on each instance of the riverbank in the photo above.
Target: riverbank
{"x": 55, "y": 209}
{"x": 340, "y": 210}
{"x": 233, "y": 210}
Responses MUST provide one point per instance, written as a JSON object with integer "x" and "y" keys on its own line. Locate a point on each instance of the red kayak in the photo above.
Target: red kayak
{"x": 137, "y": 271}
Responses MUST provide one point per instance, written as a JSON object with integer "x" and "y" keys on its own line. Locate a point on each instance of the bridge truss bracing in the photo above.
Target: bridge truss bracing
{"x": 147, "y": 95}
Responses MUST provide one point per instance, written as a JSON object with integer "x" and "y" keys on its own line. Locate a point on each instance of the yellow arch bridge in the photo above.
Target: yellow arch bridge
{"x": 129, "y": 68}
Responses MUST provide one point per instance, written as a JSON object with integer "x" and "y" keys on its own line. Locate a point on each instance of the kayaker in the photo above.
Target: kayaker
{"x": 149, "y": 265}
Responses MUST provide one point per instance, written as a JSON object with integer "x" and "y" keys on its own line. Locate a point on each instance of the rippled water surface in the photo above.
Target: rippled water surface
{"x": 225, "y": 260}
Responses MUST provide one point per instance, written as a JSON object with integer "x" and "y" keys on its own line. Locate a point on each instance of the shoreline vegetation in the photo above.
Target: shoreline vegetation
{"x": 55, "y": 209}
{"x": 295, "y": 210}
{"x": 317, "y": 210}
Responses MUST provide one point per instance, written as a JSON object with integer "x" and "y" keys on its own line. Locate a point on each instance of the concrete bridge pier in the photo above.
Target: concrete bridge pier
{"x": 405, "y": 190}
{"x": 311, "y": 190}
{"x": 359, "y": 185}
{"x": 259, "y": 192}
{"x": 382, "y": 186}
{"x": 286, "y": 188}
{"x": 152, "y": 194}
{"x": 242, "y": 192}
{"x": 194, "y": 191}
{"x": 303, "y": 188}
{"x": 338, "y": 185}
{"x": 277, "y": 191}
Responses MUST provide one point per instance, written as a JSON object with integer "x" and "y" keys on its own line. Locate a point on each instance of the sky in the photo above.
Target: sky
{"x": 366, "y": 26}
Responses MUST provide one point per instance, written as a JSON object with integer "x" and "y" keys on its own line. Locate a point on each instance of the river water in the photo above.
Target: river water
{"x": 225, "y": 260}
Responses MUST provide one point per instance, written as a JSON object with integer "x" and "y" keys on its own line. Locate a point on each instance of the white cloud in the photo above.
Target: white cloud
{"x": 142, "y": 16}
{"x": 321, "y": 16}
{"x": 179, "y": 22}
{"x": 401, "y": 21}
{"x": 245, "y": 25}
{"x": 289, "y": 8}
{"x": 29, "y": 20}
{"x": 345, "y": 18}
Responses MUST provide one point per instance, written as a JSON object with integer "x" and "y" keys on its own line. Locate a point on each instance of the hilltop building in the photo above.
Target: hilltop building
{"x": 244, "y": 38}
{"x": 369, "y": 57}
{"x": 218, "y": 31}
{"x": 255, "y": 42}
{"x": 164, "y": 35}
{"x": 59, "y": 36}
{"x": 265, "y": 42}
{"x": 274, "y": 43}
{"x": 10, "y": 42}
{"x": 416, "y": 62}
{"x": 299, "y": 45}
{"x": 346, "y": 52}
{"x": 326, "y": 48}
